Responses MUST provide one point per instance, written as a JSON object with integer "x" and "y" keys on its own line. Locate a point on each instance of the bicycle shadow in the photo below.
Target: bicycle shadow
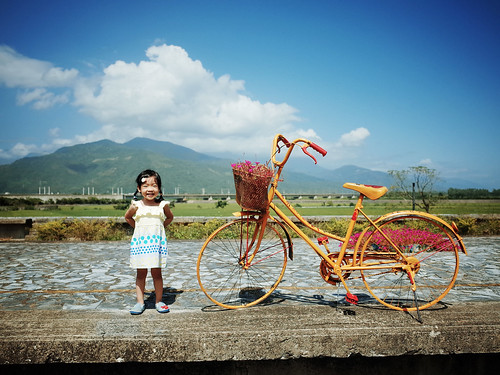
{"x": 168, "y": 297}
{"x": 339, "y": 302}
{"x": 278, "y": 297}
{"x": 415, "y": 315}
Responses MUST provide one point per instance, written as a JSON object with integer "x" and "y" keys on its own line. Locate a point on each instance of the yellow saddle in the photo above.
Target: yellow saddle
{"x": 370, "y": 191}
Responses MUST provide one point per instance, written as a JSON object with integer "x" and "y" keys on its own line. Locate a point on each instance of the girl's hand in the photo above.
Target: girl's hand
{"x": 168, "y": 214}
{"x": 129, "y": 215}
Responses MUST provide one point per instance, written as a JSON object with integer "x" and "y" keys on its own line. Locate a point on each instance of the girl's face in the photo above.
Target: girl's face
{"x": 149, "y": 189}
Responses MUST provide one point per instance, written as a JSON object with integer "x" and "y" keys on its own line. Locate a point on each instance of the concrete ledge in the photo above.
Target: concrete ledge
{"x": 260, "y": 333}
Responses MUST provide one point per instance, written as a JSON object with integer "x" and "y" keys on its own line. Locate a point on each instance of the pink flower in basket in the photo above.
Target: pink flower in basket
{"x": 252, "y": 169}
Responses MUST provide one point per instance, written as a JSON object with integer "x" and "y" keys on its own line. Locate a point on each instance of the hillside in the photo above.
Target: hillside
{"x": 106, "y": 166}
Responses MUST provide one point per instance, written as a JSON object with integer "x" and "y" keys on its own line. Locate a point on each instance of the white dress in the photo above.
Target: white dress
{"x": 148, "y": 247}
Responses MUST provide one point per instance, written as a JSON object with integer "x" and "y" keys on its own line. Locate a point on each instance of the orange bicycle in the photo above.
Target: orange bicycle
{"x": 407, "y": 260}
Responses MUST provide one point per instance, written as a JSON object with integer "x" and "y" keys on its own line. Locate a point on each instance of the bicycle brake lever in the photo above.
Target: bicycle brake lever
{"x": 285, "y": 141}
{"x": 304, "y": 148}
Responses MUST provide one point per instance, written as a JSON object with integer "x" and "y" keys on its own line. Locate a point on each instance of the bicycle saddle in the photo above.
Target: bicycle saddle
{"x": 370, "y": 191}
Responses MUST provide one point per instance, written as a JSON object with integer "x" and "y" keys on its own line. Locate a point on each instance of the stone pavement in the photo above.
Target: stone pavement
{"x": 68, "y": 302}
{"x": 96, "y": 276}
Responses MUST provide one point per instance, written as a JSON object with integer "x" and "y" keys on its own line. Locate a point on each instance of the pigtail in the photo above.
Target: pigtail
{"x": 159, "y": 198}
{"x": 135, "y": 198}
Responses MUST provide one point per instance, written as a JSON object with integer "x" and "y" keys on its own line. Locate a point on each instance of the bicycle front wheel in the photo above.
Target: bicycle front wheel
{"x": 421, "y": 272}
{"x": 242, "y": 262}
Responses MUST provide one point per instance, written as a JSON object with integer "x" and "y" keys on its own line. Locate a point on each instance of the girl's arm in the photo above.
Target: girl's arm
{"x": 168, "y": 214}
{"x": 129, "y": 215}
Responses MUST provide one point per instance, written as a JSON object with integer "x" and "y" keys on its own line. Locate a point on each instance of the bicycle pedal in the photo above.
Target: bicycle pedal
{"x": 322, "y": 240}
{"x": 351, "y": 298}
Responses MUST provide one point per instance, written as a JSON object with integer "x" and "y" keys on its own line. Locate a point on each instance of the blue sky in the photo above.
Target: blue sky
{"x": 382, "y": 85}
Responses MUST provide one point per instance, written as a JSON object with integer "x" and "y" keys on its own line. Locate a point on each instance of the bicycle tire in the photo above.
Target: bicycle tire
{"x": 430, "y": 250}
{"x": 225, "y": 273}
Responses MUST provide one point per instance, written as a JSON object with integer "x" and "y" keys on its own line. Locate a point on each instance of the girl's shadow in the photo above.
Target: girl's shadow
{"x": 169, "y": 296}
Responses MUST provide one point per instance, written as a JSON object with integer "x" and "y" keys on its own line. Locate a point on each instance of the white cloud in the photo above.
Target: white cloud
{"x": 17, "y": 70}
{"x": 346, "y": 149}
{"x": 425, "y": 162}
{"x": 21, "y": 149}
{"x": 36, "y": 77}
{"x": 167, "y": 96}
{"x": 54, "y": 132}
{"x": 171, "y": 97}
{"x": 41, "y": 98}
{"x": 354, "y": 138}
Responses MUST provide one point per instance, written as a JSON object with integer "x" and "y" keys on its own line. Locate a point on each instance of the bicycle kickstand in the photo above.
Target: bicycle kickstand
{"x": 414, "y": 289}
{"x": 419, "y": 319}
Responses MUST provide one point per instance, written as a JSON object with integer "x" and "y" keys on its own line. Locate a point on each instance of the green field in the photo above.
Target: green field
{"x": 306, "y": 208}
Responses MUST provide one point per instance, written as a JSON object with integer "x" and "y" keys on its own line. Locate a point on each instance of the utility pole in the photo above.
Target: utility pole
{"x": 413, "y": 196}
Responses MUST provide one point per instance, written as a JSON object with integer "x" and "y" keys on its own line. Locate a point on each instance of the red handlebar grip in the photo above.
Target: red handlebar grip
{"x": 319, "y": 149}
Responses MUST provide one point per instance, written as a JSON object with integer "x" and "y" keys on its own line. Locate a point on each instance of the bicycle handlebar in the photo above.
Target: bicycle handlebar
{"x": 280, "y": 138}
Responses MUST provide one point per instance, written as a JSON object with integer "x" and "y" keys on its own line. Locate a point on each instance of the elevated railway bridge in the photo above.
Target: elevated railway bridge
{"x": 181, "y": 197}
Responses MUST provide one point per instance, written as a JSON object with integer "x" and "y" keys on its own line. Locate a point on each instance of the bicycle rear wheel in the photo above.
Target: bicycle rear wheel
{"x": 241, "y": 263}
{"x": 430, "y": 257}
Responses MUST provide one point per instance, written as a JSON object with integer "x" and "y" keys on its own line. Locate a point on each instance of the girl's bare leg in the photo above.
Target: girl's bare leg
{"x": 140, "y": 284}
{"x": 158, "y": 283}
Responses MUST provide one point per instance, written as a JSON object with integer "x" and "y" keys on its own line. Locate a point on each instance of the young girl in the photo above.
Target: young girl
{"x": 148, "y": 248}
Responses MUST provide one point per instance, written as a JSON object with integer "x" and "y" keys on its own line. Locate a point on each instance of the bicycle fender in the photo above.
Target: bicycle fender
{"x": 288, "y": 238}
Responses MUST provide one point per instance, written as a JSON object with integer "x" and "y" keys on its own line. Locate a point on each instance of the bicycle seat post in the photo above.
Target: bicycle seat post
{"x": 352, "y": 223}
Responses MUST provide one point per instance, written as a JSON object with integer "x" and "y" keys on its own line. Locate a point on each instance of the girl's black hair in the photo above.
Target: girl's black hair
{"x": 146, "y": 174}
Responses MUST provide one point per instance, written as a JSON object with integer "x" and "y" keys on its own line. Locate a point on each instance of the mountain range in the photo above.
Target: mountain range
{"x": 105, "y": 167}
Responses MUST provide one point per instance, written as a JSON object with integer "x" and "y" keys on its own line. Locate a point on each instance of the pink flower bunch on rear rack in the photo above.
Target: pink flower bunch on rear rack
{"x": 411, "y": 239}
{"x": 252, "y": 169}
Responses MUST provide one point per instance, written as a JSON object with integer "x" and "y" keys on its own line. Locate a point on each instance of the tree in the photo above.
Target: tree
{"x": 221, "y": 204}
{"x": 421, "y": 179}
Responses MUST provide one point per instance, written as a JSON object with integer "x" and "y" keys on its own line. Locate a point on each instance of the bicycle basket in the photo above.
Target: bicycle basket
{"x": 251, "y": 188}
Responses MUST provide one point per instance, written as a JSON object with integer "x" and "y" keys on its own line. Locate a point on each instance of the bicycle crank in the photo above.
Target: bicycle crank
{"x": 414, "y": 263}
{"x": 327, "y": 272}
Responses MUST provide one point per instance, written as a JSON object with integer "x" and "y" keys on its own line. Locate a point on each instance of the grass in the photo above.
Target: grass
{"x": 306, "y": 208}
{"x": 80, "y": 222}
{"x": 67, "y": 211}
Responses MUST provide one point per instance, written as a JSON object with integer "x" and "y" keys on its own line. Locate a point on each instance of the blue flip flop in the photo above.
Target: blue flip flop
{"x": 138, "y": 309}
{"x": 162, "y": 308}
